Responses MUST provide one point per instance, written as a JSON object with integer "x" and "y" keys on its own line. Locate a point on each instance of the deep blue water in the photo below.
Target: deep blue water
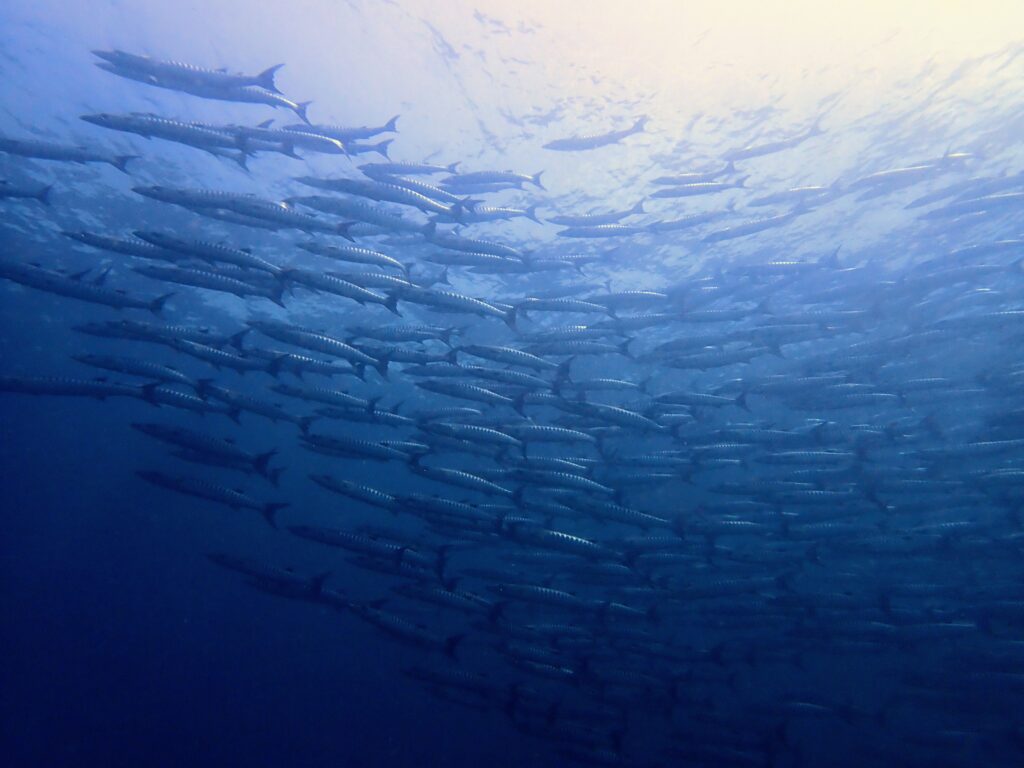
{"x": 877, "y": 331}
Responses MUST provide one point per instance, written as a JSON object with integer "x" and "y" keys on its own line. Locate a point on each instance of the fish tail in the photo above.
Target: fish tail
{"x": 536, "y": 180}
{"x": 451, "y": 645}
{"x": 261, "y": 461}
{"x": 235, "y": 340}
{"x": 265, "y": 79}
{"x": 148, "y": 392}
{"x": 518, "y": 403}
{"x": 562, "y": 374}
{"x": 156, "y": 306}
{"x": 271, "y": 509}
{"x": 316, "y": 584}
{"x": 121, "y": 162}
{"x": 277, "y": 295}
{"x": 510, "y": 317}
{"x": 274, "y": 475}
{"x": 274, "y": 366}
{"x": 343, "y": 229}
{"x": 391, "y": 125}
{"x": 382, "y": 148}
{"x": 300, "y": 110}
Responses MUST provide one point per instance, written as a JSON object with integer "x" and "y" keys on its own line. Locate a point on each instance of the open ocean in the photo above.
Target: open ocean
{"x": 532, "y": 384}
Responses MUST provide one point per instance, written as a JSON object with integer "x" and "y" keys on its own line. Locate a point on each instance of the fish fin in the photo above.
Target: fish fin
{"x": 640, "y": 124}
{"x": 536, "y": 180}
{"x": 121, "y": 162}
{"x": 832, "y": 260}
{"x": 497, "y": 608}
{"x": 305, "y": 422}
{"x": 392, "y": 304}
{"x": 518, "y": 403}
{"x": 288, "y": 150}
{"x": 343, "y": 229}
{"x": 235, "y": 340}
{"x": 451, "y": 645}
{"x": 156, "y": 306}
{"x": 149, "y": 392}
{"x": 261, "y": 461}
{"x": 531, "y": 213}
{"x": 300, "y": 110}
{"x": 562, "y": 373}
{"x": 43, "y": 196}
{"x": 101, "y": 278}
{"x": 202, "y": 385}
{"x": 382, "y": 147}
{"x": 265, "y": 79}
{"x": 271, "y": 509}
{"x": 391, "y": 125}
{"x": 453, "y": 167}
{"x": 277, "y": 296}
{"x": 510, "y": 317}
{"x": 274, "y": 366}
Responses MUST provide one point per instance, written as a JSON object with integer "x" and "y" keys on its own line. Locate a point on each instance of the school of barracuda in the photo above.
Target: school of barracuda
{"x": 631, "y": 500}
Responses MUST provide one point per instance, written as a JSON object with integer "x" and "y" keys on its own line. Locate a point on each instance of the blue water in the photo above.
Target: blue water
{"x": 880, "y": 624}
